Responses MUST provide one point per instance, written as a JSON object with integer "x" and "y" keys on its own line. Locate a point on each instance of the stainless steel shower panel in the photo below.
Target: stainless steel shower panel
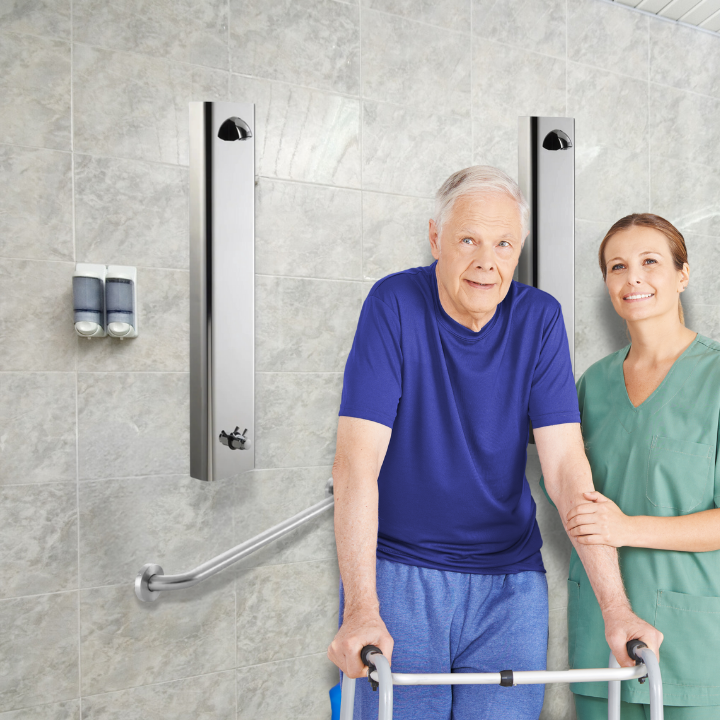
{"x": 546, "y": 175}
{"x": 222, "y": 289}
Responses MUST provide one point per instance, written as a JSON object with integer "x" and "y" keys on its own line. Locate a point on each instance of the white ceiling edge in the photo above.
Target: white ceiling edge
{"x": 618, "y": 3}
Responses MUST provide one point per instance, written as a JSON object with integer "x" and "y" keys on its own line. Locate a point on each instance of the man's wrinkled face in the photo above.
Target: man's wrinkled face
{"x": 477, "y": 252}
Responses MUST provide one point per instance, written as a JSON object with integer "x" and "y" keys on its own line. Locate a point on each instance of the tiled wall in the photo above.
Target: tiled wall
{"x": 361, "y": 112}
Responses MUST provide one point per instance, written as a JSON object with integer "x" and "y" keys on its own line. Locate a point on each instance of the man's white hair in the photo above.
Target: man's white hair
{"x": 480, "y": 179}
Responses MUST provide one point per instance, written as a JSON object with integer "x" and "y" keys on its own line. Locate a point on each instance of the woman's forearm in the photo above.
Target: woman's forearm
{"x": 698, "y": 532}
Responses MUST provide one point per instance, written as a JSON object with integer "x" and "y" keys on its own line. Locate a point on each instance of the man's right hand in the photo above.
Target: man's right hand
{"x": 358, "y": 630}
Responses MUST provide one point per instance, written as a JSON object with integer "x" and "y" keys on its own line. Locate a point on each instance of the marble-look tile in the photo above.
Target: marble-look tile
{"x": 131, "y": 213}
{"x": 559, "y": 704}
{"x": 451, "y": 14}
{"x": 588, "y": 276}
{"x": 610, "y": 110}
{"x": 410, "y": 63}
{"x": 191, "y": 31}
{"x": 38, "y": 650}
{"x": 35, "y": 91}
{"x": 686, "y": 195}
{"x": 395, "y": 233}
{"x": 556, "y": 545}
{"x": 55, "y": 711}
{"x": 265, "y": 498}
{"x": 38, "y": 539}
{"x": 537, "y": 25}
{"x": 294, "y": 332}
{"x": 409, "y": 151}
{"x": 683, "y": 127}
{"x": 132, "y": 424}
{"x": 608, "y": 37}
{"x": 50, "y": 18}
{"x": 125, "y": 643}
{"x": 307, "y": 230}
{"x": 163, "y": 344}
{"x": 302, "y": 134}
{"x": 286, "y": 611}
{"x": 599, "y": 331}
{"x": 684, "y": 58}
{"x": 610, "y": 182}
{"x": 305, "y": 682}
{"x": 134, "y": 106}
{"x": 315, "y": 43}
{"x": 36, "y": 316}
{"x": 36, "y": 204}
{"x": 704, "y": 319}
{"x": 704, "y": 259}
{"x": 296, "y": 418}
{"x": 509, "y": 82}
{"x": 207, "y": 697}
{"x": 37, "y": 417}
{"x": 174, "y": 521}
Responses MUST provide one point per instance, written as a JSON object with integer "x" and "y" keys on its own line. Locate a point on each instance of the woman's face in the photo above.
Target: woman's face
{"x": 641, "y": 276}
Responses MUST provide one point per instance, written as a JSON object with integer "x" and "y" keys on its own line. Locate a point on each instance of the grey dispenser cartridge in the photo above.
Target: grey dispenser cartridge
{"x": 89, "y": 300}
{"x": 121, "y": 301}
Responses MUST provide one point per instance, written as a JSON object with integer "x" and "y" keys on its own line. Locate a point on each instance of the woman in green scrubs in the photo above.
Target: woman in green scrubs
{"x": 650, "y": 422}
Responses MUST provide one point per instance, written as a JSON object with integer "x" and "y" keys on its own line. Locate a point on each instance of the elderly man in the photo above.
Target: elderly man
{"x": 437, "y": 541}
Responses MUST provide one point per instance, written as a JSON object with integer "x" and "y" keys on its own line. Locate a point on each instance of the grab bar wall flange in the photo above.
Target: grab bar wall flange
{"x": 150, "y": 580}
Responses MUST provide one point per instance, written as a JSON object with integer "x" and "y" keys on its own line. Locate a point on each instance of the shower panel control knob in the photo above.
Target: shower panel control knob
{"x": 236, "y": 440}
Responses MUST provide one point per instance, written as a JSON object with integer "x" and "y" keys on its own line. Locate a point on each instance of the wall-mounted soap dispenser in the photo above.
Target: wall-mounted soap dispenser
{"x": 121, "y": 301}
{"x": 89, "y": 300}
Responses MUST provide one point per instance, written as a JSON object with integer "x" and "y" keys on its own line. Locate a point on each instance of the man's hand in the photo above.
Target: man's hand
{"x": 600, "y": 522}
{"x": 358, "y": 630}
{"x": 621, "y": 626}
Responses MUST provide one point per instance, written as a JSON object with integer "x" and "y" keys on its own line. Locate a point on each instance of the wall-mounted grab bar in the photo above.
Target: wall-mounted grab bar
{"x": 150, "y": 581}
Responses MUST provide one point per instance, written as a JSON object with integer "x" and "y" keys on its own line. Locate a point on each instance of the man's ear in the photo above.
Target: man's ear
{"x": 434, "y": 239}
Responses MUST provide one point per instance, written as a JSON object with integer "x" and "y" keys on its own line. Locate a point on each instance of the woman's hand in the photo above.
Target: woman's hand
{"x": 599, "y": 522}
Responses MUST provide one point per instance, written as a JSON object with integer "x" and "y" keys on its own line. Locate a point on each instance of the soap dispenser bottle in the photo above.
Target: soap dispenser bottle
{"x": 121, "y": 301}
{"x": 89, "y": 300}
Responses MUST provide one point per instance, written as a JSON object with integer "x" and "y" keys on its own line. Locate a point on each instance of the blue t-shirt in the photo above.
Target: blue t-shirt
{"x": 453, "y": 492}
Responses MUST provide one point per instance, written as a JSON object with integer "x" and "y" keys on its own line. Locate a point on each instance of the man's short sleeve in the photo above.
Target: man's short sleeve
{"x": 373, "y": 374}
{"x": 553, "y": 397}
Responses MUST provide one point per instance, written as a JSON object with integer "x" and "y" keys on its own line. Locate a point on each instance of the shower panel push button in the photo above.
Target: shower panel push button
{"x": 235, "y": 440}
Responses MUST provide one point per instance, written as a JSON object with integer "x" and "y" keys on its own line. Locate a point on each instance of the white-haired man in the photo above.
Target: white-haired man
{"x": 438, "y": 546}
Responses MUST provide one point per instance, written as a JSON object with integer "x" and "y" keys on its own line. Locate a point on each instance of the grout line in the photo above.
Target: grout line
{"x": 424, "y": 23}
{"x": 362, "y": 147}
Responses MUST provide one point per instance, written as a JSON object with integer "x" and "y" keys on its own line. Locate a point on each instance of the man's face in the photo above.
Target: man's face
{"x": 477, "y": 253}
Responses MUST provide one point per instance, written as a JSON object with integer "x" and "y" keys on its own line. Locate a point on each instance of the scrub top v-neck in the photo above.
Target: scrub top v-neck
{"x": 659, "y": 458}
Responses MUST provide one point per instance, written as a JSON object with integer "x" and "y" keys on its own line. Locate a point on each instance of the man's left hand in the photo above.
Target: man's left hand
{"x": 623, "y": 625}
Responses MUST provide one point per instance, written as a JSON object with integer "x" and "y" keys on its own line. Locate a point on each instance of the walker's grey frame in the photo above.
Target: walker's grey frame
{"x": 612, "y": 675}
{"x": 222, "y": 292}
{"x": 546, "y": 175}
{"x": 150, "y": 581}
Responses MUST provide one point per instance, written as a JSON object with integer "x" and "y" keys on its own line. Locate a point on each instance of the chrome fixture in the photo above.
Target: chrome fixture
{"x": 150, "y": 581}
{"x": 222, "y": 288}
{"x": 546, "y": 175}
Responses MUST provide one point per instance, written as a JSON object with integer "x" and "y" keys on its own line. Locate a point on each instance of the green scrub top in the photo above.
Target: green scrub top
{"x": 657, "y": 459}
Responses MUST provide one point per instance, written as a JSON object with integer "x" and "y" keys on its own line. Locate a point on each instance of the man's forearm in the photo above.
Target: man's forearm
{"x": 356, "y": 521}
{"x": 600, "y": 561}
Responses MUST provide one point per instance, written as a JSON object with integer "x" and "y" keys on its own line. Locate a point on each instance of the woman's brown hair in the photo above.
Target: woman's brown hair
{"x": 676, "y": 241}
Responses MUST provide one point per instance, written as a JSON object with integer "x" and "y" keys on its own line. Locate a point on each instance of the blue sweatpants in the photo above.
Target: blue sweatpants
{"x": 456, "y": 622}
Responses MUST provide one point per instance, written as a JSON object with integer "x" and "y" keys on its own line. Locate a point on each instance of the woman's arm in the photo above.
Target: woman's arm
{"x": 602, "y": 522}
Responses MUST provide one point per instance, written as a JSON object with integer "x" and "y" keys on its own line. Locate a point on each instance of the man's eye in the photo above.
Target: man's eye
{"x": 467, "y": 241}
{"x": 504, "y": 243}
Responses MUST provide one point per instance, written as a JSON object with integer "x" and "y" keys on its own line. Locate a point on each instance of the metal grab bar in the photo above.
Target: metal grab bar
{"x": 379, "y": 672}
{"x": 150, "y": 581}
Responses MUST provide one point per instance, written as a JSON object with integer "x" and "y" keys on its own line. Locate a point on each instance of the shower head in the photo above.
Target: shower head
{"x": 557, "y": 140}
{"x": 234, "y": 129}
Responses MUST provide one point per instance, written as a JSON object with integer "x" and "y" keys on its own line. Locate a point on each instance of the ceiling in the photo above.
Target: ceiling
{"x": 704, "y": 14}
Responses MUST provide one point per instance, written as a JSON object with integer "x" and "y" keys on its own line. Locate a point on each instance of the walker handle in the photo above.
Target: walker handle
{"x": 364, "y": 655}
{"x": 632, "y": 646}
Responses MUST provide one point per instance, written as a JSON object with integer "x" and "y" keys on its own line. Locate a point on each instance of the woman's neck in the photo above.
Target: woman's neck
{"x": 658, "y": 340}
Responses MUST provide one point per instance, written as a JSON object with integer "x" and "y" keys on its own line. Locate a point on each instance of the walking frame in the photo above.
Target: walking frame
{"x": 382, "y": 679}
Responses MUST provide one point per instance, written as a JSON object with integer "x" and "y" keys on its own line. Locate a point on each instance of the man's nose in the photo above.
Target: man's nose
{"x": 484, "y": 258}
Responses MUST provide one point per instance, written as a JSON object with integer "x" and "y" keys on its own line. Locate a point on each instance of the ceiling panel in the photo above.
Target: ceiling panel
{"x": 700, "y": 13}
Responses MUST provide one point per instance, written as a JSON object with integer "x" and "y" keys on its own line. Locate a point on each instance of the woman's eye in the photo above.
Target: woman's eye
{"x": 650, "y": 260}
{"x": 618, "y": 267}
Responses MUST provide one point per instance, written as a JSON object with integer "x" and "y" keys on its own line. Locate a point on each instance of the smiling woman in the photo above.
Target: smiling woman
{"x": 650, "y": 424}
